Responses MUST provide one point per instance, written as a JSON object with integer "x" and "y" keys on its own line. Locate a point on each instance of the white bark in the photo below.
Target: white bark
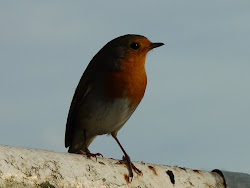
{"x": 22, "y": 167}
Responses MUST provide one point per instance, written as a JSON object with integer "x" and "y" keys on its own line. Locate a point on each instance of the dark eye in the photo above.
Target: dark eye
{"x": 134, "y": 46}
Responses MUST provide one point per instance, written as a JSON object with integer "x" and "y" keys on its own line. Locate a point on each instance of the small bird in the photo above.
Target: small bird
{"x": 108, "y": 93}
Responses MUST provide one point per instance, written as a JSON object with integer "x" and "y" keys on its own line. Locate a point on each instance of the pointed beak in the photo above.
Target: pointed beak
{"x": 155, "y": 45}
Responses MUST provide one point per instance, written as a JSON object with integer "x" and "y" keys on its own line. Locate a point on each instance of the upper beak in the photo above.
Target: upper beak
{"x": 155, "y": 45}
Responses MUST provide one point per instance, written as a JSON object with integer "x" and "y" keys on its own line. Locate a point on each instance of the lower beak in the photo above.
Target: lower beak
{"x": 155, "y": 45}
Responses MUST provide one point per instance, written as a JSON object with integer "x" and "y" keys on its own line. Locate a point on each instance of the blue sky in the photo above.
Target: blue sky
{"x": 196, "y": 110}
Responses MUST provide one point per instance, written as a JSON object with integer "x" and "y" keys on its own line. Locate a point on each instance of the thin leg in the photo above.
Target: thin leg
{"x": 88, "y": 153}
{"x": 127, "y": 160}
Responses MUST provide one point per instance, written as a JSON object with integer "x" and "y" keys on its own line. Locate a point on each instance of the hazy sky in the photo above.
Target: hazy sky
{"x": 196, "y": 110}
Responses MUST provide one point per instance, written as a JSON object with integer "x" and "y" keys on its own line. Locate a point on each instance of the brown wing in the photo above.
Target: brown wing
{"x": 99, "y": 62}
{"x": 83, "y": 87}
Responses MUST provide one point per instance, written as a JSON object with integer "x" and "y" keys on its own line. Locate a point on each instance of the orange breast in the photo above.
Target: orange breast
{"x": 129, "y": 83}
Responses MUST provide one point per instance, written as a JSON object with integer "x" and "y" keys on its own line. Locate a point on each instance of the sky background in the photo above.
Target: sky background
{"x": 196, "y": 109}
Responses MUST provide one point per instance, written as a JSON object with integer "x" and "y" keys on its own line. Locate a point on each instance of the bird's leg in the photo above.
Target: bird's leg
{"x": 127, "y": 161}
{"x": 87, "y": 152}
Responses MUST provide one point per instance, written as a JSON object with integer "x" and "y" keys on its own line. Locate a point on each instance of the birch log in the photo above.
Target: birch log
{"x": 22, "y": 167}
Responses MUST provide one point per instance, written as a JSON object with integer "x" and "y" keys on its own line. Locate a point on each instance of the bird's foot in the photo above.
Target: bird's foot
{"x": 89, "y": 154}
{"x": 126, "y": 160}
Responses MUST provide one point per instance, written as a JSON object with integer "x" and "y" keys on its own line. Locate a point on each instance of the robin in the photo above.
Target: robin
{"x": 108, "y": 93}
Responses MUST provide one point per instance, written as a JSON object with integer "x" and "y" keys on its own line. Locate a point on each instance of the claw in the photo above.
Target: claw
{"x": 89, "y": 154}
{"x": 127, "y": 161}
{"x": 139, "y": 172}
{"x": 93, "y": 155}
{"x": 130, "y": 166}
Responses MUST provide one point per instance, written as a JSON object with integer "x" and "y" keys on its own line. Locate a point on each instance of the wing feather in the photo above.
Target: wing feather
{"x": 83, "y": 88}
